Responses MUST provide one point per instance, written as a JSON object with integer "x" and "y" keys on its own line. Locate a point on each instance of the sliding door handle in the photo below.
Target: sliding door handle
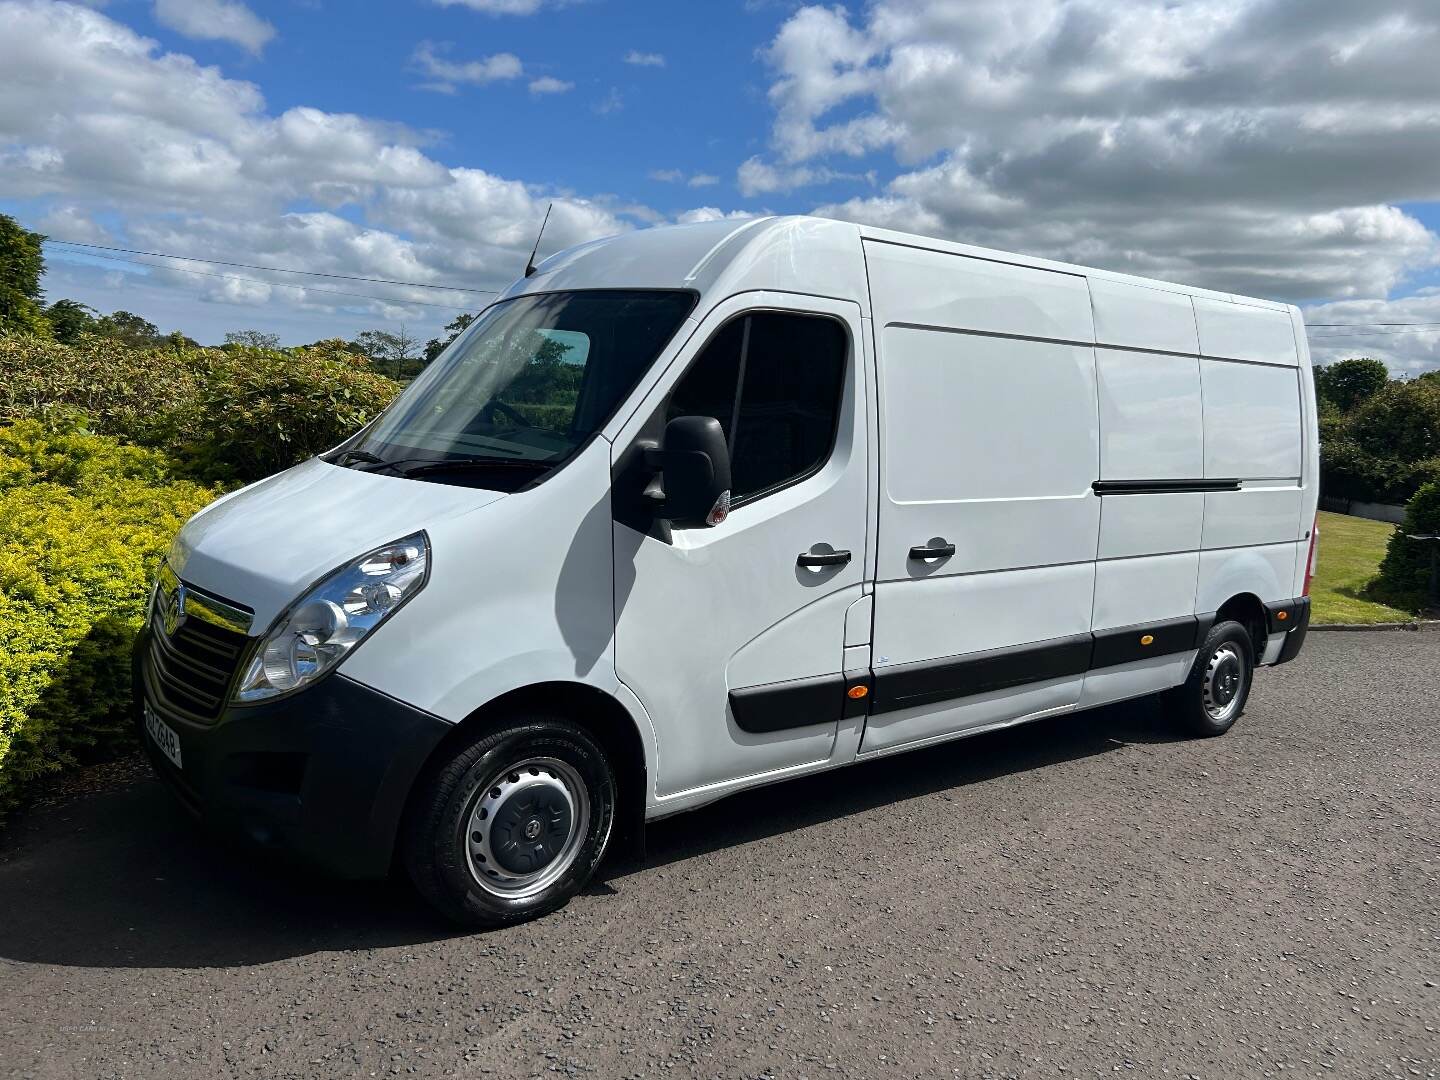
{"x": 932, "y": 551}
{"x": 830, "y": 558}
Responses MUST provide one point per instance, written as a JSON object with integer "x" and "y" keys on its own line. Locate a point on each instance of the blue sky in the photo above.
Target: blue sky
{"x": 1284, "y": 148}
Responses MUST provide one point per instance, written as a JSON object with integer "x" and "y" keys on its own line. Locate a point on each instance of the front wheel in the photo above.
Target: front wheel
{"x": 513, "y": 825}
{"x": 1214, "y": 695}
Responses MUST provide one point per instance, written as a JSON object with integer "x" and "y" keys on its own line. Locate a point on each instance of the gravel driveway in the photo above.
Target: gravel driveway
{"x": 1085, "y": 896}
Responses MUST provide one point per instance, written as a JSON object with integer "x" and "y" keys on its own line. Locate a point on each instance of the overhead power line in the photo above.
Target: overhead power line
{"x": 1330, "y": 324}
{"x": 273, "y": 269}
{"x": 1375, "y": 333}
{"x": 277, "y": 284}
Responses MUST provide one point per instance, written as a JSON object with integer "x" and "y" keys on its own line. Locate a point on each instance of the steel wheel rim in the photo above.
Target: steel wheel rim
{"x": 1224, "y": 685}
{"x": 499, "y": 825}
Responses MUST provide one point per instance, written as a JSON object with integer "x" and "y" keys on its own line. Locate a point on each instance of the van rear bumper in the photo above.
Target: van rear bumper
{"x": 1299, "y": 621}
{"x": 322, "y": 775}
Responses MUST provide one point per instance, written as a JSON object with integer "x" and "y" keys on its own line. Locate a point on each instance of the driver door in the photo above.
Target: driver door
{"x": 733, "y": 636}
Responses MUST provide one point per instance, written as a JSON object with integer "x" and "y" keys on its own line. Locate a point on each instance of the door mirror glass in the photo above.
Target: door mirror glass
{"x": 694, "y": 472}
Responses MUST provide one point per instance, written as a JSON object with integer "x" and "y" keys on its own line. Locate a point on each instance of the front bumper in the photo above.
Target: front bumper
{"x": 323, "y": 774}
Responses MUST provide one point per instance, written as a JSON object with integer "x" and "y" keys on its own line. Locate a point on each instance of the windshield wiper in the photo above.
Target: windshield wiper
{"x": 360, "y": 455}
{"x": 461, "y": 464}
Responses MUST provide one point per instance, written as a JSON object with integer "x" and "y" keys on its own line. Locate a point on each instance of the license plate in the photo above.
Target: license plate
{"x": 162, "y": 736}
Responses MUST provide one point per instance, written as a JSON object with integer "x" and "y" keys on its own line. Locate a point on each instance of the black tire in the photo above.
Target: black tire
{"x": 444, "y": 856}
{"x": 1214, "y": 694}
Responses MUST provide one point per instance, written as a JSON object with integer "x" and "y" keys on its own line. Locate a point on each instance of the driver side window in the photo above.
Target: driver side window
{"x": 774, "y": 381}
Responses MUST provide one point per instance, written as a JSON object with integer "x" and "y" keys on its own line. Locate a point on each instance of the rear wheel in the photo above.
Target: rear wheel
{"x": 513, "y": 824}
{"x": 1214, "y": 695}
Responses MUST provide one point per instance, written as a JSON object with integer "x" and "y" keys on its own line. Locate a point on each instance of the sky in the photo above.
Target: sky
{"x": 1280, "y": 148}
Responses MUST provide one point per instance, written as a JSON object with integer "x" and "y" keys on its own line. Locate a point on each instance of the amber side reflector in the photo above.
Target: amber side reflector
{"x": 1148, "y": 639}
{"x": 855, "y": 693}
{"x": 1282, "y": 615}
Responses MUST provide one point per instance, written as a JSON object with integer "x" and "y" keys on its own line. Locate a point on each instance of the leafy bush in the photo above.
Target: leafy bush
{"x": 1401, "y": 421}
{"x": 83, "y": 523}
{"x": 236, "y": 414}
{"x": 259, "y": 412}
{"x": 1387, "y": 447}
{"x": 1404, "y": 580}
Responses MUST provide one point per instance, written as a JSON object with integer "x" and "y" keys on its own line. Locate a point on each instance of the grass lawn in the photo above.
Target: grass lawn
{"x": 1350, "y": 552}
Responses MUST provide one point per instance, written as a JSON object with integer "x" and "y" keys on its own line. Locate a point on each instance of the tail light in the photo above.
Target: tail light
{"x": 1313, "y": 560}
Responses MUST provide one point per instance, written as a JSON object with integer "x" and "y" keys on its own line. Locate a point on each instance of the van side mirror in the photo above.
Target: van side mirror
{"x": 692, "y": 482}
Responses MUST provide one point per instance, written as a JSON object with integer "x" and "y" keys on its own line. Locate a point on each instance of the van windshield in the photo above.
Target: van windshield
{"x": 522, "y": 388}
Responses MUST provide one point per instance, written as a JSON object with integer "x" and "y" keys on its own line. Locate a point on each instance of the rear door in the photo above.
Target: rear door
{"x": 988, "y": 522}
{"x": 733, "y": 637}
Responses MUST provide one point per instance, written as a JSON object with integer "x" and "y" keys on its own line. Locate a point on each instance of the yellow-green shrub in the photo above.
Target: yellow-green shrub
{"x": 84, "y": 521}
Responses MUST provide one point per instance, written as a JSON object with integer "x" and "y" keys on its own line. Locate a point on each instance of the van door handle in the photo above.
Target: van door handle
{"x": 939, "y": 551}
{"x": 832, "y": 558}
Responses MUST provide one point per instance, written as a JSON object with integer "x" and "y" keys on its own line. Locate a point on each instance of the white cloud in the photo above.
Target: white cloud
{"x": 712, "y": 213}
{"x": 99, "y": 123}
{"x": 446, "y": 73}
{"x": 548, "y": 84}
{"x": 678, "y": 176}
{"x": 1406, "y": 350}
{"x": 72, "y": 223}
{"x": 1250, "y": 145}
{"x": 757, "y": 177}
{"x": 215, "y": 20}
{"x": 502, "y": 7}
{"x": 611, "y": 103}
{"x": 645, "y": 59}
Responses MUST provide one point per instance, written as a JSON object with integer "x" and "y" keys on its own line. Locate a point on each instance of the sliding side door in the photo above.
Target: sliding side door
{"x": 988, "y": 521}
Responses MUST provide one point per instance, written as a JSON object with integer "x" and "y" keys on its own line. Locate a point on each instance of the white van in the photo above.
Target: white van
{"x": 699, "y": 508}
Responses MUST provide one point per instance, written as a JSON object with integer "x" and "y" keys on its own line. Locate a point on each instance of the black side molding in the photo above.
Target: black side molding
{"x": 785, "y": 705}
{"x": 1162, "y": 487}
{"x": 906, "y": 686}
{"x": 1131, "y": 643}
{"x": 826, "y": 698}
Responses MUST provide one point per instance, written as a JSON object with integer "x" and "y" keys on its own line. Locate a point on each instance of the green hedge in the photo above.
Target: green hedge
{"x": 223, "y": 414}
{"x": 84, "y": 521}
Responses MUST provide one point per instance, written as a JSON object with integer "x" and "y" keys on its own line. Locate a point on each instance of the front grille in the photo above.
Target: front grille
{"x": 191, "y": 669}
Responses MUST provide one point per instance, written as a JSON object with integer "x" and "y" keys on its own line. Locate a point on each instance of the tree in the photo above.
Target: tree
{"x": 22, "y": 262}
{"x": 434, "y": 347}
{"x": 1347, "y": 384}
{"x": 253, "y": 339}
{"x": 127, "y": 327}
{"x": 394, "y": 354}
{"x": 69, "y": 319}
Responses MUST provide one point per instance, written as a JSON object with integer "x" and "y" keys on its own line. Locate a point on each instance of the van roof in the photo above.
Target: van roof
{"x": 819, "y": 256}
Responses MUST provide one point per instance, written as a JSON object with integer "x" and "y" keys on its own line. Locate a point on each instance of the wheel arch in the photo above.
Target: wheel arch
{"x": 1249, "y": 611}
{"x": 600, "y": 713}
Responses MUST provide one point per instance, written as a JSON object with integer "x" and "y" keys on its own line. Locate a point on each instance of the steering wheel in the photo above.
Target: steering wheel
{"x": 495, "y": 406}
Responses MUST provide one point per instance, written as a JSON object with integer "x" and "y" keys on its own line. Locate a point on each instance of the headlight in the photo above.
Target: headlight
{"x": 334, "y": 617}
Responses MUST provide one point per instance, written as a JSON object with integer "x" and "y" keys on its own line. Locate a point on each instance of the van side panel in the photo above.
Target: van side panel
{"x": 1252, "y": 421}
{"x": 1261, "y": 335}
{"x": 1151, "y": 429}
{"x": 988, "y": 441}
{"x": 1255, "y": 432}
{"x": 1129, "y": 316}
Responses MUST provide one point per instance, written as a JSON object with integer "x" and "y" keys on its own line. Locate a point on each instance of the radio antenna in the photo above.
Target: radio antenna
{"x": 530, "y": 263}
